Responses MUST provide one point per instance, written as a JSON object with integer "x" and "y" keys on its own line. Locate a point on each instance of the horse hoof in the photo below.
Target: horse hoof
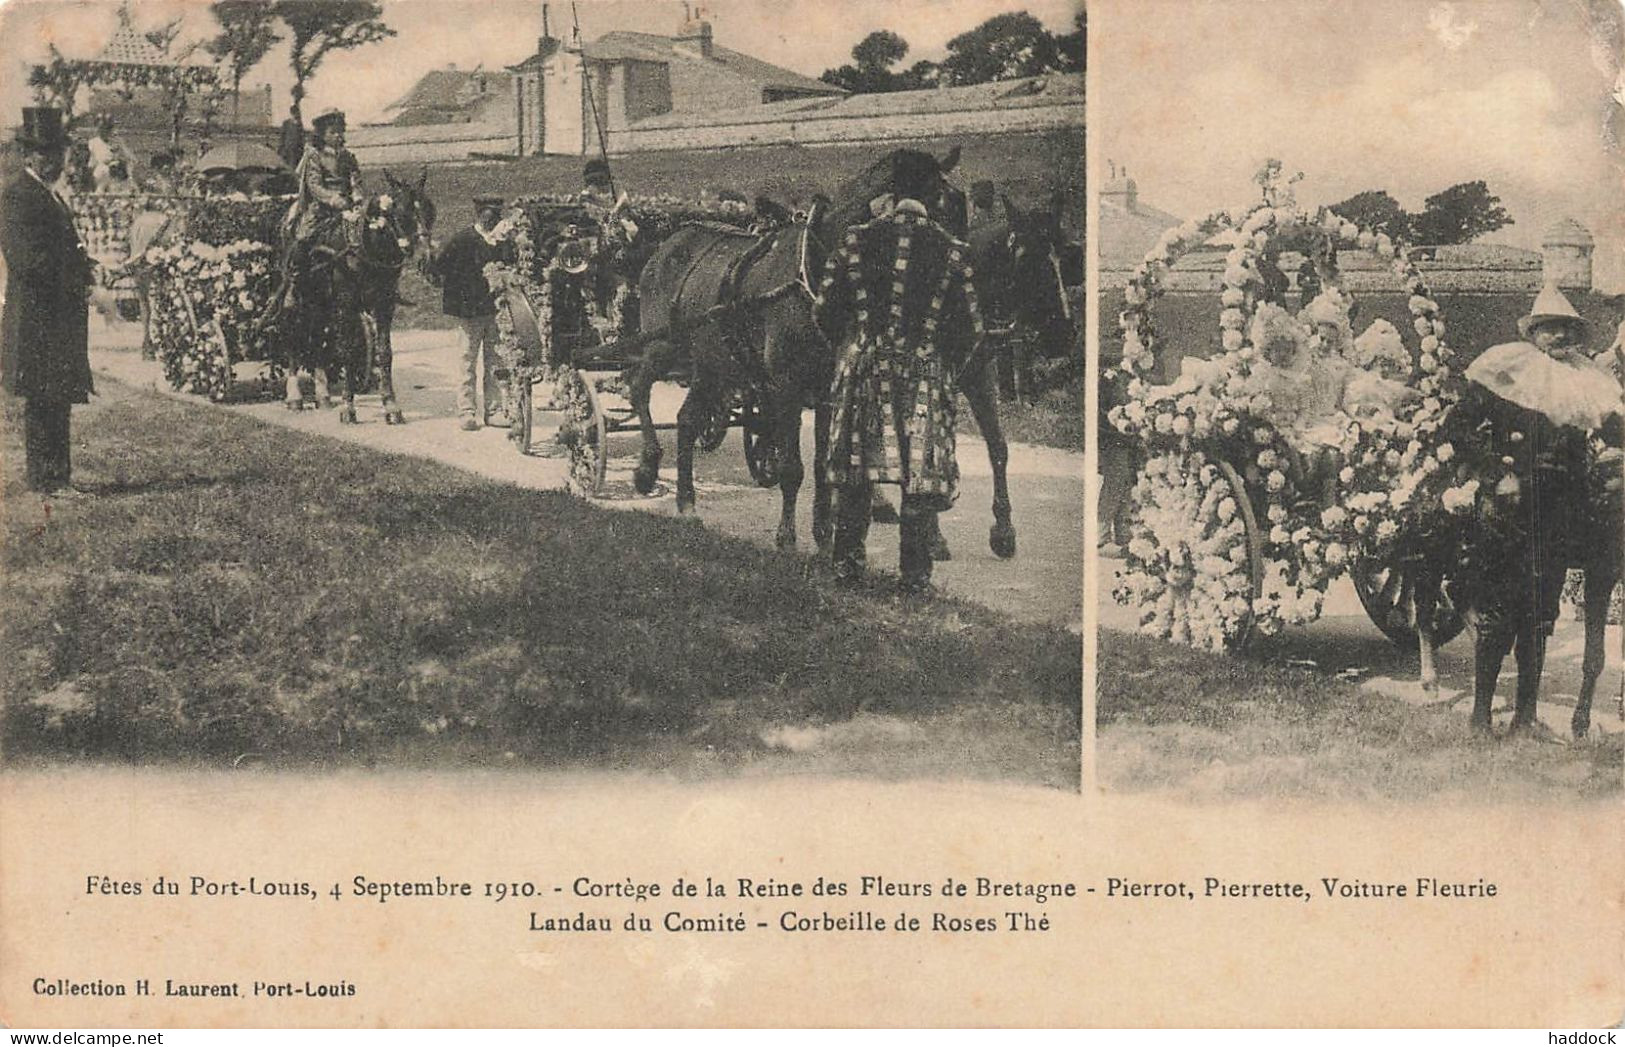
{"x": 785, "y": 540}
{"x": 394, "y": 418}
{"x": 644, "y": 477}
{"x": 1002, "y": 540}
{"x": 882, "y": 512}
{"x": 347, "y": 416}
{"x": 940, "y": 552}
{"x": 1580, "y": 728}
{"x": 294, "y": 405}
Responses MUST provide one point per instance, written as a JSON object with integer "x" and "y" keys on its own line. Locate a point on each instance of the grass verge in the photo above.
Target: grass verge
{"x": 1206, "y": 725}
{"x": 233, "y": 588}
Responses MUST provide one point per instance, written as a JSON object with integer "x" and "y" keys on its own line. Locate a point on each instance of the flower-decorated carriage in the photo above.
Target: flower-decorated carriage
{"x": 567, "y": 317}
{"x": 202, "y": 267}
{"x": 1245, "y": 509}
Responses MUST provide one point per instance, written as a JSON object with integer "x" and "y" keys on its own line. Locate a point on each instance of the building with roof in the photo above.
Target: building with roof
{"x": 564, "y": 96}
{"x": 457, "y": 96}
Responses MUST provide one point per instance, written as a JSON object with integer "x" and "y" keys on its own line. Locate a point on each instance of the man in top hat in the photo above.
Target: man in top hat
{"x": 459, "y": 267}
{"x": 44, "y": 334}
{"x": 898, "y": 302}
{"x": 1529, "y": 411}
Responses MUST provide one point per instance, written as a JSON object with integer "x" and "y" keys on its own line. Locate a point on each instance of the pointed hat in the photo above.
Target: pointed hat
{"x": 1551, "y": 304}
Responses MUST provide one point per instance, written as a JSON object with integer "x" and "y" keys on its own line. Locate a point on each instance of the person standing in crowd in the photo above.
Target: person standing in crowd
{"x": 460, "y": 269}
{"x": 898, "y": 301}
{"x": 105, "y": 151}
{"x": 1529, "y": 410}
{"x": 44, "y": 334}
{"x": 291, "y": 144}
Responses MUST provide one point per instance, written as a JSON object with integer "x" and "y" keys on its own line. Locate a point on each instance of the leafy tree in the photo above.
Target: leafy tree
{"x": 57, "y": 83}
{"x": 1458, "y": 215}
{"x": 163, "y": 38}
{"x": 247, "y": 32}
{"x": 874, "y": 56}
{"x": 1073, "y": 46}
{"x": 321, "y": 26}
{"x": 1005, "y": 47}
{"x": 1374, "y": 209}
{"x": 879, "y": 51}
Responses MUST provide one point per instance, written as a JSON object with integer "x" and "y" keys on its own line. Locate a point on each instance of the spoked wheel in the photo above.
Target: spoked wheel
{"x": 1388, "y": 593}
{"x": 760, "y": 453}
{"x": 585, "y": 433}
{"x": 1196, "y": 561}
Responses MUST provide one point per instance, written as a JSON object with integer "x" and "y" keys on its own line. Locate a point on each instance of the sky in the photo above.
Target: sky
{"x": 1410, "y": 96}
{"x": 807, "y": 36}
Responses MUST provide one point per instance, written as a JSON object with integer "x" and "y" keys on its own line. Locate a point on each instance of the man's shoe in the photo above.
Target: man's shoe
{"x": 469, "y": 424}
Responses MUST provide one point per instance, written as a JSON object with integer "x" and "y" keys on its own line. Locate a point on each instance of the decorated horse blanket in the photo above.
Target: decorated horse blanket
{"x": 898, "y": 301}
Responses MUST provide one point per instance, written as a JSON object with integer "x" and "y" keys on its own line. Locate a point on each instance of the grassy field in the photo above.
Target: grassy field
{"x": 236, "y": 590}
{"x": 1172, "y": 719}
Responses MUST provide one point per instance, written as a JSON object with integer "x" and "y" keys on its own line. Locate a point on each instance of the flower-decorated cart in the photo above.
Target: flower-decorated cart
{"x": 209, "y": 273}
{"x": 567, "y": 318}
{"x": 1242, "y": 513}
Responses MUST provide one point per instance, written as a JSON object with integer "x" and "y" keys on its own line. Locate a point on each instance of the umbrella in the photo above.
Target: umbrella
{"x": 240, "y": 156}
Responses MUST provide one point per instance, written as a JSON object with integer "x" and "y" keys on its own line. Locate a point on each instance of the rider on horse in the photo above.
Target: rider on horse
{"x": 329, "y": 187}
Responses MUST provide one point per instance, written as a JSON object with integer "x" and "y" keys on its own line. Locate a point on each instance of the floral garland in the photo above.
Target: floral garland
{"x": 1392, "y": 480}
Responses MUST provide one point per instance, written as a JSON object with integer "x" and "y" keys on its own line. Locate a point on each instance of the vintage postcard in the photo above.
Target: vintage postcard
{"x": 532, "y": 514}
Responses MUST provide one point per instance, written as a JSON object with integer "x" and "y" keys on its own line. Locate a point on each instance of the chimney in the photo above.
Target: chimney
{"x": 695, "y": 30}
{"x": 1566, "y": 251}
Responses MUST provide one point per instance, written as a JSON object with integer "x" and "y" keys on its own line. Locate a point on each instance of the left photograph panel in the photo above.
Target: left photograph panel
{"x": 630, "y": 387}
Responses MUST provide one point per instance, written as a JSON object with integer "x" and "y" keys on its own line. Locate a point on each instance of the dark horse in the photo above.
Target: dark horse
{"x": 739, "y": 308}
{"x": 347, "y": 295}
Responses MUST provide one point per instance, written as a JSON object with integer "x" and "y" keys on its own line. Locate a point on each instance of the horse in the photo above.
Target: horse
{"x": 348, "y": 293}
{"x": 740, "y": 308}
{"x": 1019, "y": 258}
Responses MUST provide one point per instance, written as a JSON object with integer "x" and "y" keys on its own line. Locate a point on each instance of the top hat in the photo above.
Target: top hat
{"x": 484, "y": 200}
{"x": 1552, "y": 304}
{"x": 329, "y": 115}
{"x": 596, "y": 171}
{"x": 42, "y": 128}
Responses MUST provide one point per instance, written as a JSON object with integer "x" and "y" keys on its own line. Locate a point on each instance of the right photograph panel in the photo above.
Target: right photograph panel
{"x": 1360, "y": 441}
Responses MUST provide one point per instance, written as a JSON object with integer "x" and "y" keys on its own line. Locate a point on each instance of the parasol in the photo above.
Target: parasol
{"x": 240, "y": 156}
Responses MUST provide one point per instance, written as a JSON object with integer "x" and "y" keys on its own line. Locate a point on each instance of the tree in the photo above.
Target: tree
{"x": 247, "y": 31}
{"x": 874, "y": 56}
{"x": 1374, "y": 209}
{"x": 1074, "y": 46}
{"x": 1004, "y": 47}
{"x": 320, "y": 26}
{"x": 1458, "y": 215}
{"x": 57, "y": 83}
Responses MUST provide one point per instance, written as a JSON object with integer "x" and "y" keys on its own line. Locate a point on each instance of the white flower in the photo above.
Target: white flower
{"x": 1334, "y": 517}
{"x": 1231, "y": 297}
{"x": 1262, "y": 436}
{"x": 1423, "y": 326}
{"x": 1346, "y": 475}
{"x": 1182, "y": 426}
{"x": 1399, "y": 496}
{"x": 1277, "y": 514}
{"x": 1231, "y": 340}
{"x": 1445, "y": 452}
{"x": 1164, "y": 423}
{"x": 1362, "y": 524}
{"x": 1230, "y": 425}
{"x": 1428, "y": 362}
{"x": 1337, "y": 554}
{"x": 1134, "y": 295}
{"x": 1227, "y": 509}
{"x": 1279, "y": 535}
{"x": 1276, "y": 480}
{"x": 1232, "y": 319}
{"x": 1268, "y": 459}
{"x": 1386, "y": 530}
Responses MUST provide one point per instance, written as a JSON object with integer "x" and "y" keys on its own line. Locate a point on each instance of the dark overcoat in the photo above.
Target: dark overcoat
{"x": 44, "y": 334}
{"x": 460, "y": 265}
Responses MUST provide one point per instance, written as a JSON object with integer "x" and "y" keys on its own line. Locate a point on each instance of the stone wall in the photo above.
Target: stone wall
{"x": 428, "y": 143}
{"x": 754, "y": 129}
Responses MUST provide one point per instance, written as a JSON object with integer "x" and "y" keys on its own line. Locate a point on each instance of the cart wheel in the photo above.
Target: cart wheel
{"x": 1182, "y": 582}
{"x": 1387, "y": 591}
{"x": 760, "y": 453}
{"x": 584, "y": 432}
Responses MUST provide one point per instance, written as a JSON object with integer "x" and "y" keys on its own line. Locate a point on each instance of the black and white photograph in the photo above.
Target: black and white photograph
{"x": 521, "y": 385}
{"x": 1360, "y": 440}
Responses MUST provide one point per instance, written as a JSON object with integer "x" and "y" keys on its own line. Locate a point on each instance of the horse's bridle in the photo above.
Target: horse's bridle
{"x": 804, "y": 260}
{"x": 392, "y": 224}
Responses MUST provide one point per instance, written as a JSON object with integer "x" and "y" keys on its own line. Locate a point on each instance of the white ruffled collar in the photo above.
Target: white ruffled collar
{"x": 1578, "y": 394}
